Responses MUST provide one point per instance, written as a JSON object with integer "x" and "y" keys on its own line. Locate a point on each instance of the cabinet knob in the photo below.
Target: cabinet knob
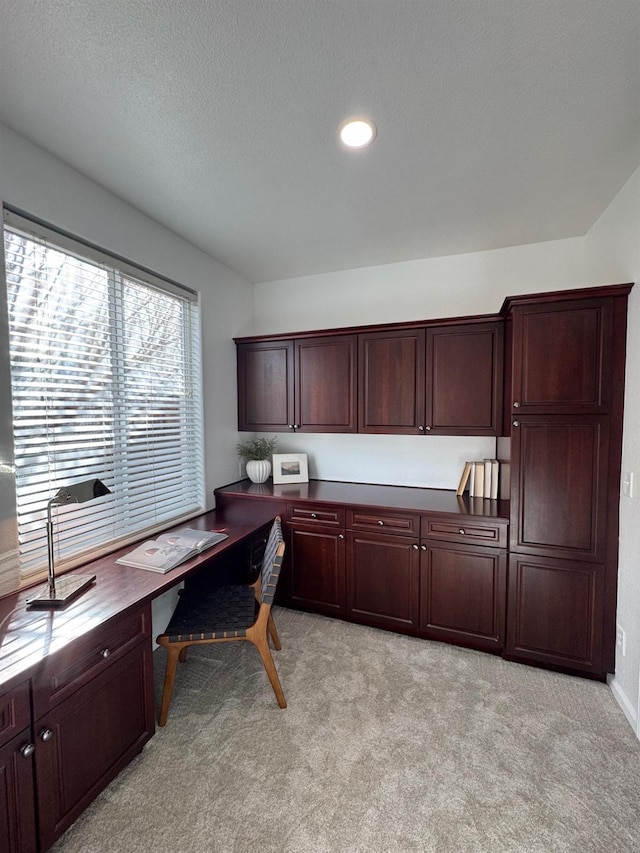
{"x": 105, "y": 653}
{"x": 421, "y": 428}
{"x": 46, "y": 734}
{"x": 516, "y": 423}
{"x": 340, "y": 535}
{"x": 424, "y": 547}
{"x": 381, "y": 523}
{"x": 415, "y": 547}
{"x": 27, "y": 750}
{"x": 313, "y": 515}
{"x": 428, "y": 427}
{"x": 291, "y": 426}
{"x": 461, "y": 530}
{"x": 516, "y": 405}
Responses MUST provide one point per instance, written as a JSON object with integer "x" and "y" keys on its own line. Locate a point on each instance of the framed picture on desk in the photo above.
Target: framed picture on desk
{"x": 290, "y": 468}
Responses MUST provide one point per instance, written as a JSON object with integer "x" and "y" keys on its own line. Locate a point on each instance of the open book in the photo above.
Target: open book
{"x": 170, "y": 549}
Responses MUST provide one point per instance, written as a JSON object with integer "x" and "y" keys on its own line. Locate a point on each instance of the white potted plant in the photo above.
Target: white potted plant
{"x": 256, "y": 454}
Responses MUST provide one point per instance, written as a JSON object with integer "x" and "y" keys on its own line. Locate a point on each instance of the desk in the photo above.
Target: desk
{"x": 76, "y": 685}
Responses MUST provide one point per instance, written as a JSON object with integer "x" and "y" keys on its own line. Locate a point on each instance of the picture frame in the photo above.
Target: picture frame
{"x": 290, "y": 468}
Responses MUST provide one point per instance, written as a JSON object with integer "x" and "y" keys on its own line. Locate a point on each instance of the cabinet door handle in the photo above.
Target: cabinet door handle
{"x": 291, "y": 426}
{"x": 105, "y": 653}
{"x": 27, "y": 750}
{"x": 516, "y": 423}
{"x": 421, "y": 428}
{"x": 46, "y": 734}
{"x": 415, "y": 547}
{"x": 428, "y": 427}
{"x": 461, "y": 530}
{"x": 381, "y": 523}
{"x": 340, "y": 535}
{"x": 313, "y": 515}
{"x": 424, "y": 547}
{"x": 516, "y": 405}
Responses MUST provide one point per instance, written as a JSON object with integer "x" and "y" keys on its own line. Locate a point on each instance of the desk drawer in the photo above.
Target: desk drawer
{"x": 15, "y": 713}
{"x": 402, "y": 524}
{"x": 308, "y": 514}
{"x": 466, "y": 530}
{"x": 84, "y": 659}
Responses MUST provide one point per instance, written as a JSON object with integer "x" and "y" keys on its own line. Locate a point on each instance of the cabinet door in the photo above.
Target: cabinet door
{"x": 86, "y": 740}
{"x": 265, "y": 386}
{"x": 325, "y": 384}
{"x": 464, "y": 379}
{"x": 17, "y": 804}
{"x": 562, "y": 357}
{"x": 315, "y": 576}
{"x": 382, "y": 580}
{"x": 463, "y": 594}
{"x": 555, "y": 612}
{"x": 391, "y": 381}
{"x": 558, "y": 486}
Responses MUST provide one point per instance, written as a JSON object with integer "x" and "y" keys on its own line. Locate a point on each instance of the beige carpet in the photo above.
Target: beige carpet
{"x": 388, "y": 744}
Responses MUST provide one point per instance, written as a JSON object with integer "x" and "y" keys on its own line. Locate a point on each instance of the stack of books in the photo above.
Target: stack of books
{"x": 481, "y": 478}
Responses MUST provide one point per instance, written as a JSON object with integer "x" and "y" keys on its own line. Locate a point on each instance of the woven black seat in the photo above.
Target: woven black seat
{"x": 239, "y": 612}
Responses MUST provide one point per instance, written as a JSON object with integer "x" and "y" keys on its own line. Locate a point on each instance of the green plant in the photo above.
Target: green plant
{"x": 257, "y": 448}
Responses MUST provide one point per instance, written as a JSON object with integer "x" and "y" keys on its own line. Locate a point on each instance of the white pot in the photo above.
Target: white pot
{"x": 258, "y": 470}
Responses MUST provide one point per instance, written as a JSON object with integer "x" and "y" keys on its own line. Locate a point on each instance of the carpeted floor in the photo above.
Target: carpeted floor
{"x": 388, "y": 744}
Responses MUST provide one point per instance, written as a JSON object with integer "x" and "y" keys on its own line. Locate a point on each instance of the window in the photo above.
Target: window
{"x": 105, "y": 374}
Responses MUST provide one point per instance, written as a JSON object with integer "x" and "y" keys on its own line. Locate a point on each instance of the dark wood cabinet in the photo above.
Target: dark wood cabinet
{"x": 559, "y": 469}
{"x": 383, "y": 559}
{"x": 444, "y": 380}
{"x": 555, "y": 612}
{"x": 567, "y": 370}
{"x": 305, "y": 385}
{"x": 463, "y": 594}
{"x": 562, "y": 355}
{"x": 315, "y": 563}
{"x": 17, "y": 785}
{"x": 391, "y": 392}
{"x": 265, "y": 386}
{"x": 464, "y": 379}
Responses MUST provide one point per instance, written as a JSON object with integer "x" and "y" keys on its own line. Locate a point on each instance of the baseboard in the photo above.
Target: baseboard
{"x": 622, "y": 699}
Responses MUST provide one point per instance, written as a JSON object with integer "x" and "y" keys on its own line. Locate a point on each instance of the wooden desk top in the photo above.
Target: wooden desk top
{"x": 28, "y": 637}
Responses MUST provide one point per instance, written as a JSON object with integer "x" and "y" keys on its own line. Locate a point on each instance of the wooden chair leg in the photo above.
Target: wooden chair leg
{"x": 262, "y": 645}
{"x": 274, "y": 634}
{"x": 173, "y": 654}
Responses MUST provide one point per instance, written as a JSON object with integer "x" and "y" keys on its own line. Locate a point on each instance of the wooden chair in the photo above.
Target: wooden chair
{"x": 239, "y": 612}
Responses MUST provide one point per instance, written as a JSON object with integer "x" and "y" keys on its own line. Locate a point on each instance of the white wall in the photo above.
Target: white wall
{"x": 616, "y": 235}
{"x": 43, "y": 186}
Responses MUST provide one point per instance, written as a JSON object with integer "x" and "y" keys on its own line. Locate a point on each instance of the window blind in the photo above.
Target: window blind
{"x": 106, "y": 383}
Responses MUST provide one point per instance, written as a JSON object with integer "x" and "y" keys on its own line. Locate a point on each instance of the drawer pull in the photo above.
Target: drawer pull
{"x": 46, "y": 734}
{"x": 105, "y": 653}
{"x": 381, "y": 523}
{"x": 313, "y": 515}
{"x": 27, "y": 750}
{"x": 461, "y": 530}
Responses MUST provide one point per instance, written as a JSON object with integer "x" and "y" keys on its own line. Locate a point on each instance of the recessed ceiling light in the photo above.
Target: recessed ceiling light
{"x": 357, "y": 132}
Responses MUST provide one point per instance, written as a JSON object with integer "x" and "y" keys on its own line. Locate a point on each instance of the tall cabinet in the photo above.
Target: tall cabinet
{"x": 565, "y": 398}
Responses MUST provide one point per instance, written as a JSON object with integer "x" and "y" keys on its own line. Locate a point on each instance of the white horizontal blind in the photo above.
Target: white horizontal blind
{"x": 106, "y": 383}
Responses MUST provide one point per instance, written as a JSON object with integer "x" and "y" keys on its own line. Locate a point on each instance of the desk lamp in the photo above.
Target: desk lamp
{"x": 58, "y": 592}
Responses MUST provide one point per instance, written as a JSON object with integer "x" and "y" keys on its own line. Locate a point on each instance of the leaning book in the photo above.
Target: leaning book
{"x": 171, "y": 549}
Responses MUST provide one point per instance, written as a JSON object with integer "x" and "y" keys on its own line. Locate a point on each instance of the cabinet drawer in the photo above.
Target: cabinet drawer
{"x": 384, "y": 522}
{"x": 476, "y": 532}
{"x": 316, "y": 515}
{"x": 86, "y": 658}
{"x": 15, "y": 713}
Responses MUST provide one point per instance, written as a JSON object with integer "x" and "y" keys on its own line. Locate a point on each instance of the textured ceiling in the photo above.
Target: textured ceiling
{"x": 500, "y": 122}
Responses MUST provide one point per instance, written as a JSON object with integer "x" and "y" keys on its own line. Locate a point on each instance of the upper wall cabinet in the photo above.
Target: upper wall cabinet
{"x": 562, "y": 357}
{"x": 302, "y": 385}
{"x": 440, "y": 380}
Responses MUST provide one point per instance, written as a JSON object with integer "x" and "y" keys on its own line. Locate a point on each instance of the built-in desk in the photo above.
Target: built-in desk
{"x": 76, "y": 685}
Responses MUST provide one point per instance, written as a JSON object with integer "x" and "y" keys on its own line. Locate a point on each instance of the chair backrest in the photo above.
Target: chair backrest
{"x": 272, "y": 562}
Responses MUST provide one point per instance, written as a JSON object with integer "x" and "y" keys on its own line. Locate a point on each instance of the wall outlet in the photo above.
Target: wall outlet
{"x": 627, "y": 484}
{"x": 621, "y": 640}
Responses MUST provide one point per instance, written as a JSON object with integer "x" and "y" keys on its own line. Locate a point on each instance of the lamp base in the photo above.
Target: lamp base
{"x": 65, "y": 589}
